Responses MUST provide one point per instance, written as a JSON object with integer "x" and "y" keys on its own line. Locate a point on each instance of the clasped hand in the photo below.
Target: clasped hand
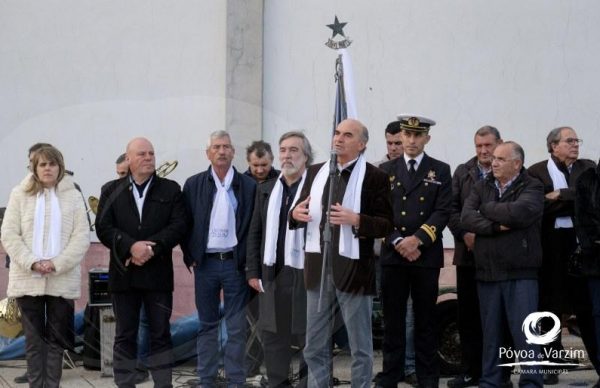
{"x": 408, "y": 247}
{"x": 43, "y": 267}
{"x": 141, "y": 252}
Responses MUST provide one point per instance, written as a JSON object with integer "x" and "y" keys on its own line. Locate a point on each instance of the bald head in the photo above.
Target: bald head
{"x": 140, "y": 156}
{"x": 136, "y": 142}
{"x": 350, "y": 140}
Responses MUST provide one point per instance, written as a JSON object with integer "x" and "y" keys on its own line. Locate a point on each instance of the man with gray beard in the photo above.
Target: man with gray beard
{"x": 275, "y": 262}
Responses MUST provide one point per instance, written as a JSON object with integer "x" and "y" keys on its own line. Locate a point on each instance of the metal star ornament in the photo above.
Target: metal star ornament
{"x": 337, "y": 27}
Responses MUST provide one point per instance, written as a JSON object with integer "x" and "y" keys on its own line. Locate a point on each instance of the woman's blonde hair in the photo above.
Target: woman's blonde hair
{"x": 51, "y": 154}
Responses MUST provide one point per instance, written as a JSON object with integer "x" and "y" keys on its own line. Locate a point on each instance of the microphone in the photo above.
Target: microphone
{"x": 333, "y": 162}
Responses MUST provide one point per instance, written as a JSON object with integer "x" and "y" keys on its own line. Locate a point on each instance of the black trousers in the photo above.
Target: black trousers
{"x": 397, "y": 283}
{"x": 126, "y": 306}
{"x": 582, "y": 308}
{"x": 48, "y": 326}
{"x": 469, "y": 321}
{"x": 561, "y": 293}
{"x": 254, "y": 351}
{"x": 281, "y": 346}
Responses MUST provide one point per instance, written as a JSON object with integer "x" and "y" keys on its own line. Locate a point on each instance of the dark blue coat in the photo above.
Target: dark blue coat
{"x": 421, "y": 207}
{"x": 199, "y": 193}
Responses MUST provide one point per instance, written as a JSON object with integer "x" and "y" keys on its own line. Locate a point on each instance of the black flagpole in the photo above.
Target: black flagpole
{"x": 340, "y": 114}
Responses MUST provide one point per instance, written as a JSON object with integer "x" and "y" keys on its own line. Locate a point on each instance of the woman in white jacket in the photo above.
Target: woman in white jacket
{"x": 46, "y": 234}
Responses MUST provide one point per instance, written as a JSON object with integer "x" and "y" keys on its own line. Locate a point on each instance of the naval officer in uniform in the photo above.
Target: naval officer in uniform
{"x": 412, "y": 255}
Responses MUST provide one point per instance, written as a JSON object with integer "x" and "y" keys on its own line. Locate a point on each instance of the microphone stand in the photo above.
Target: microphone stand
{"x": 328, "y": 228}
{"x": 327, "y": 253}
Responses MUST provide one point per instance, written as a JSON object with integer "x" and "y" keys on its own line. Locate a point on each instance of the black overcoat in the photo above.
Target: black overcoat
{"x": 256, "y": 269}
{"x": 118, "y": 226}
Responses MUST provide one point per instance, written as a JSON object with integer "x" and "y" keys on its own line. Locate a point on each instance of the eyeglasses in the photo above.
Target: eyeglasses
{"x": 573, "y": 141}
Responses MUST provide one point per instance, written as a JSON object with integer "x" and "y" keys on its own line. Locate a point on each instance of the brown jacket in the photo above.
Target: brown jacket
{"x": 354, "y": 276}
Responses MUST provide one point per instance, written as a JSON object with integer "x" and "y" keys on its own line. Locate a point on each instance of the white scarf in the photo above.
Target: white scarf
{"x": 348, "y": 244}
{"x": 560, "y": 182}
{"x": 294, "y": 238}
{"x": 53, "y": 244}
{"x": 221, "y": 232}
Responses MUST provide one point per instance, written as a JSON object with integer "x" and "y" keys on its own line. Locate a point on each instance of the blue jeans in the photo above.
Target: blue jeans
{"x": 356, "y": 311}
{"x": 210, "y": 277}
{"x": 515, "y": 299}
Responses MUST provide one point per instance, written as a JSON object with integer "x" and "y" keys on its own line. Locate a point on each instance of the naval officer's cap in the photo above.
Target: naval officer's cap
{"x": 414, "y": 123}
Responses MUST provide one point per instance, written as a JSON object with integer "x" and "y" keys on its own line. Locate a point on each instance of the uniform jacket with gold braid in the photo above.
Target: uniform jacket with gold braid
{"x": 422, "y": 208}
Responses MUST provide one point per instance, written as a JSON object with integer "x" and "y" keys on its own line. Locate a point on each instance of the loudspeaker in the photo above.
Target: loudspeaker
{"x": 98, "y": 287}
{"x": 91, "y": 338}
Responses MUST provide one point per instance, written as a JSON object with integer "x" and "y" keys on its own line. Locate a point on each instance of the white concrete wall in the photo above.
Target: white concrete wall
{"x": 522, "y": 66}
{"x": 89, "y": 75}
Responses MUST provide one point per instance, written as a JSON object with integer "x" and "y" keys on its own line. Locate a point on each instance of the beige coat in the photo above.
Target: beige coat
{"x": 17, "y": 239}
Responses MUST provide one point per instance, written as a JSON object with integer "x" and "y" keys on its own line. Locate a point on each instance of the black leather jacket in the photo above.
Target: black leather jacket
{"x": 587, "y": 220}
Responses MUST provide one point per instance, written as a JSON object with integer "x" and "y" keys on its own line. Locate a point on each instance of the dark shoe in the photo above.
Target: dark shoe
{"x": 22, "y": 379}
{"x": 506, "y": 384}
{"x": 463, "y": 381}
{"x": 550, "y": 379}
{"x": 411, "y": 379}
{"x": 140, "y": 376}
{"x": 429, "y": 383}
{"x": 383, "y": 381}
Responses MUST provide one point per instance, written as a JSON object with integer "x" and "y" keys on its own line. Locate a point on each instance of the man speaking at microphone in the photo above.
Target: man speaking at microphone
{"x": 360, "y": 212}
{"x": 141, "y": 218}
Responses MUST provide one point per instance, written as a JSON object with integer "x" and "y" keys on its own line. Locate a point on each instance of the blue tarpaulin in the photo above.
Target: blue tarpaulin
{"x": 183, "y": 334}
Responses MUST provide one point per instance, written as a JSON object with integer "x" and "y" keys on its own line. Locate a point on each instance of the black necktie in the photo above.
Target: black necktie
{"x": 411, "y": 168}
